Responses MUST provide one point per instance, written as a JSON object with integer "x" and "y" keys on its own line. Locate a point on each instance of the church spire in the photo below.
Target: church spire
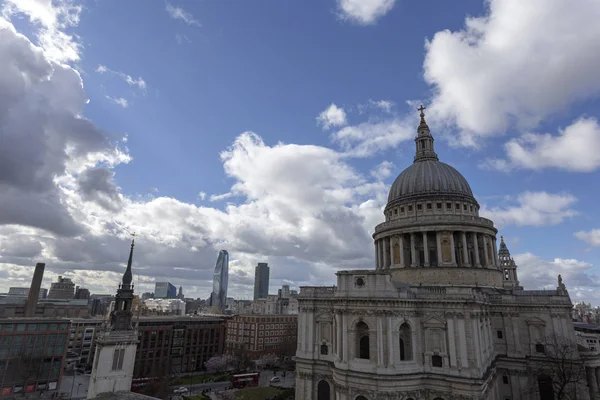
{"x": 424, "y": 140}
{"x": 127, "y": 276}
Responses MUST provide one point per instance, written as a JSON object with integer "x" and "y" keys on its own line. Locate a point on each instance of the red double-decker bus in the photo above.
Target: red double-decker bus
{"x": 245, "y": 380}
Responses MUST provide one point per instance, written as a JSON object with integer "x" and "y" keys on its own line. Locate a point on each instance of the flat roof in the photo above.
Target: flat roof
{"x": 123, "y": 396}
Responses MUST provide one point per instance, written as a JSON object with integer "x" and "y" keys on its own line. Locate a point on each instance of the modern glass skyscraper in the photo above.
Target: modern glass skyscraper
{"x": 218, "y": 296}
{"x": 261, "y": 281}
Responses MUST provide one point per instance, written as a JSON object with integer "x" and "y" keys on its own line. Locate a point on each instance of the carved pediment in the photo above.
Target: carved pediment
{"x": 434, "y": 321}
{"x": 536, "y": 321}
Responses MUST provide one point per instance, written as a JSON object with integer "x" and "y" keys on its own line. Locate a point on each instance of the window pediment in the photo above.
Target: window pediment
{"x": 434, "y": 322}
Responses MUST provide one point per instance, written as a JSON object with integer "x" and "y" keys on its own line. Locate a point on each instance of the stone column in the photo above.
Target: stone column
{"x": 476, "y": 250}
{"x": 495, "y": 248}
{"x": 344, "y": 338}
{"x": 597, "y": 370}
{"x": 413, "y": 251}
{"x": 379, "y": 342}
{"x": 376, "y": 255}
{"x": 463, "y": 236}
{"x": 438, "y": 243}
{"x": 386, "y": 253}
{"x": 425, "y": 250}
{"x": 391, "y": 252}
{"x": 390, "y": 338}
{"x": 401, "y": 248}
{"x": 338, "y": 335}
{"x": 485, "y": 251}
{"x": 453, "y": 247}
{"x": 591, "y": 381}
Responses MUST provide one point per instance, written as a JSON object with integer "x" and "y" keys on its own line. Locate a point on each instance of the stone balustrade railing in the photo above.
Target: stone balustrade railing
{"x": 317, "y": 291}
{"x": 400, "y": 222}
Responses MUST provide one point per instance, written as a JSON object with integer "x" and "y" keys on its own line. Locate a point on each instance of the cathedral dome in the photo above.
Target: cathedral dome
{"x": 429, "y": 177}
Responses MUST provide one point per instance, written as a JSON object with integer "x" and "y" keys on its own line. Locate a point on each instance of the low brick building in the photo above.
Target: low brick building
{"x": 262, "y": 334}
{"x": 32, "y": 354}
{"x": 177, "y": 344}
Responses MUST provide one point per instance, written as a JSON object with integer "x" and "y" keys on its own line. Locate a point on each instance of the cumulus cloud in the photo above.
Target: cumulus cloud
{"x": 537, "y": 273}
{"x": 332, "y": 116}
{"x": 590, "y": 237}
{"x": 505, "y": 69}
{"x": 51, "y": 19}
{"x": 140, "y": 83}
{"x": 576, "y": 149}
{"x": 181, "y": 14}
{"x": 364, "y": 12}
{"x": 368, "y": 138}
{"x": 383, "y": 170}
{"x": 532, "y": 209}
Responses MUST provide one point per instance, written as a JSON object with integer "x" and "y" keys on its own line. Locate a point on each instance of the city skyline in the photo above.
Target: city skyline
{"x": 297, "y": 134}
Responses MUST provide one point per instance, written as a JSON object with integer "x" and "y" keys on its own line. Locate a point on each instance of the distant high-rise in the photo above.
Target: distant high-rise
{"x": 261, "y": 281}
{"x": 34, "y": 290}
{"x": 64, "y": 289}
{"x": 218, "y": 297}
{"x": 164, "y": 290}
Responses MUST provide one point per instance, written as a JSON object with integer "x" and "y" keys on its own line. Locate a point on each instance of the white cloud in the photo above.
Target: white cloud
{"x": 202, "y": 195}
{"x": 119, "y": 101}
{"x": 383, "y": 170}
{"x": 368, "y": 138}
{"x": 590, "y": 237}
{"x": 140, "y": 83}
{"x": 364, "y": 12}
{"x": 533, "y": 209}
{"x": 181, "y": 38}
{"x": 576, "y": 149}
{"x": 180, "y": 13}
{"x": 331, "y": 117}
{"x": 506, "y": 68}
{"x": 51, "y": 18}
{"x": 578, "y": 276}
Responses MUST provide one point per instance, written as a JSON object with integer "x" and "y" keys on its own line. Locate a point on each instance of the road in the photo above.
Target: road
{"x": 199, "y": 387}
{"x": 288, "y": 381}
{"x": 79, "y": 389}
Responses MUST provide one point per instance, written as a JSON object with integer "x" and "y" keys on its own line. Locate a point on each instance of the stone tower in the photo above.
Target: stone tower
{"x": 508, "y": 266}
{"x": 116, "y": 345}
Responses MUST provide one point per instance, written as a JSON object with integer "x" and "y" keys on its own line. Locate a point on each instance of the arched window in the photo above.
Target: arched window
{"x": 362, "y": 340}
{"x": 361, "y": 398}
{"x": 405, "y": 342}
{"x": 539, "y": 348}
{"x": 323, "y": 391}
{"x": 324, "y": 349}
{"x": 436, "y": 361}
{"x": 545, "y": 387}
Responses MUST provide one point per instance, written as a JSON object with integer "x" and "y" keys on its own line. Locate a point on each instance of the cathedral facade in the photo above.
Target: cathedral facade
{"x": 442, "y": 316}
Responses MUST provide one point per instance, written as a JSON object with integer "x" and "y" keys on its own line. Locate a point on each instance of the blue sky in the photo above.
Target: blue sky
{"x": 298, "y": 116}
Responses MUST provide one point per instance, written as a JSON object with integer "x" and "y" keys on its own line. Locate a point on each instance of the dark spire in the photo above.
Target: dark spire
{"x": 503, "y": 252}
{"x": 424, "y": 140}
{"x": 127, "y": 276}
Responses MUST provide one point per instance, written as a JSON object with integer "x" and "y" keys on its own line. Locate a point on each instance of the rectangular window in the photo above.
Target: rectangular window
{"x": 429, "y": 206}
{"x": 419, "y": 206}
{"x": 409, "y": 208}
{"x": 464, "y": 207}
{"x": 21, "y": 328}
{"x": 499, "y": 334}
{"x": 505, "y": 380}
{"x": 457, "y": 206}
{"x": 439, "y": 206}
{"x": 401, "y": 209}
{"x": 118, "y": 357}
{"x": 448, "y": 206}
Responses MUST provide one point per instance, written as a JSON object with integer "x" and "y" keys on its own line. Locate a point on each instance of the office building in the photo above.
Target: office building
{"x": 177, "y": 344}
{"x": 164, "y": 290}
{"x": 261, "y": 281}
{"x": 258, "y": 335}
{"x": 82, "y": 293}
{"x": 32, "y": 355}
{"x": 63, "y": 289}
{"x": 218, "y": 297}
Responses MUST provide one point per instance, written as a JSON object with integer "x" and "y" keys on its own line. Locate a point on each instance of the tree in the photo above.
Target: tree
{"x": 268, "y": 360}
{"x": 290, "y": 344}
{"x": 218, "y": 363}
{"x": 240, "y": 359}
{"x": 558, "y": 372}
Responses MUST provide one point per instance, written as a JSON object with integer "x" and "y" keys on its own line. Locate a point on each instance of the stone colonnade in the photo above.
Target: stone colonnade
{"x": 437, "y": 248}
{"x": 593, "y": 381}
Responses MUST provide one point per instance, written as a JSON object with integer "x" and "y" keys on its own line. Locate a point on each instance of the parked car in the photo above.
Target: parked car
{"x": 275, "y": 379}
{"x": 181, "y": 390}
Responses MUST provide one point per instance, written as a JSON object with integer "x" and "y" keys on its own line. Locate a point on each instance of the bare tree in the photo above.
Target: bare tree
{"x": 558, "y": 372}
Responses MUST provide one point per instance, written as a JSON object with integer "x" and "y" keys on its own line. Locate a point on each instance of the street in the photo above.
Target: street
{"x": 79, "y": 388}
{"x": 287, "y": 382}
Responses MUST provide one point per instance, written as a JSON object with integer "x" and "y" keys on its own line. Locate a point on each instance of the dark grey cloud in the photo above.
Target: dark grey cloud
{"x": 98, "y": 185}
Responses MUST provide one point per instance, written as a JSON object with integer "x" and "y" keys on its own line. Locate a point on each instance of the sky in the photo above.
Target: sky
{"x": 274, "y": 130}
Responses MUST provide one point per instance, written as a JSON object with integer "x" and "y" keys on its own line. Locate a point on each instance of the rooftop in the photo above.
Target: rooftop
{"x": 123, "y": 396}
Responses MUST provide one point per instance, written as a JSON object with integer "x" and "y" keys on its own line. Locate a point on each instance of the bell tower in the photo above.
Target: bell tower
{"x": 508, "y": 267}
{"x": 116, "y": 345}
